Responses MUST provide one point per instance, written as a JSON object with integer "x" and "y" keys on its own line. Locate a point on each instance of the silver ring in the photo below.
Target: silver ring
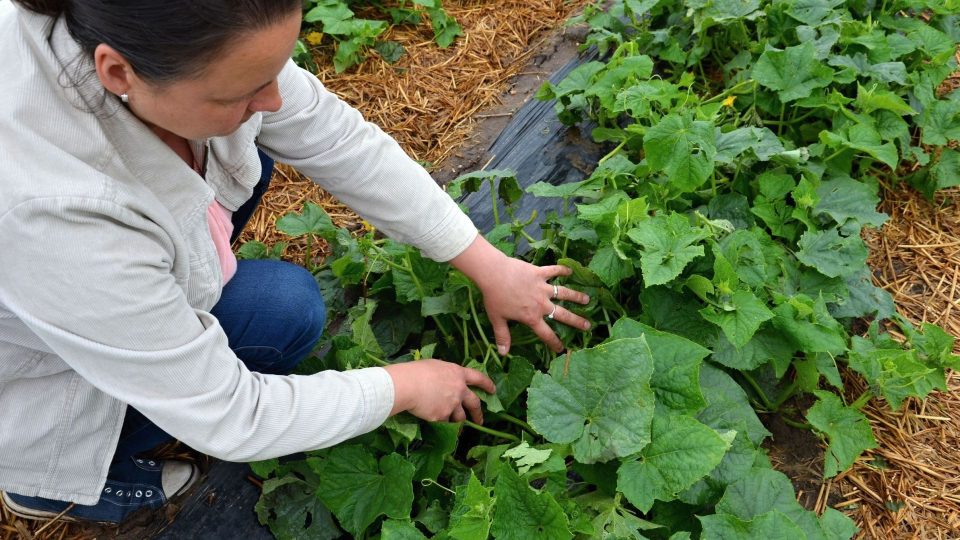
{"x": 550, "y": 316}
{"x": 556, "y": 291}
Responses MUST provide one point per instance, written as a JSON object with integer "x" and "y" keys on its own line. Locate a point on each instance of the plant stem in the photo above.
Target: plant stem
{"x": 788, "y": 393}
{"x": 795, "y": 424}
{"x": 493, "y": 203}
{"x": 476, "y": 319}
{"x": 760, "y": 393}
{"x": 493, "y": 432}
{"x": 375, "y": 360}
{"x": 307, "y": 254}
{"x": 783, "y": 110}
{"x": 516, "y": 421}
{"x": 866, "y": 396}
{"x": 612, "y": 153}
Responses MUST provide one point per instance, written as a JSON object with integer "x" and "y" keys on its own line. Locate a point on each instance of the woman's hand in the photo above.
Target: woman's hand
{"x": 438, "y": 391}
{"x": 514, "y": 290}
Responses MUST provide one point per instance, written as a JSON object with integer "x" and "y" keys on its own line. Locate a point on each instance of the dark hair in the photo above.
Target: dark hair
{"x": 164, "y": 40}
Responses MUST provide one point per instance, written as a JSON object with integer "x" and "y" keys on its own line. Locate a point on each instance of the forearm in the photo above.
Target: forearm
{"x": 479, "y": 261}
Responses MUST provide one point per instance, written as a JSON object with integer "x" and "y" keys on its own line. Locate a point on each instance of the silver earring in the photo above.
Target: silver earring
{"x": 124, "y": 98}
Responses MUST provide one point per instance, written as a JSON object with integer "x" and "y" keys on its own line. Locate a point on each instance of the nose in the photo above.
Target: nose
{"x": 267, "y": 100}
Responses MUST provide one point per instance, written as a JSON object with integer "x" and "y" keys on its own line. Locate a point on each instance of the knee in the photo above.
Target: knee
{"x": 301, "y": 309}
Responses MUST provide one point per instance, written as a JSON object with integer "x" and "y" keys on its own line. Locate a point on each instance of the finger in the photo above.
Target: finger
{"x": 480, "y": 380}
{"x": 546, "y": 335}
{"x": 565, "y": 294}
{"x": 569, "y": 318}
{"x": 555, "y": 270}
{"x": 501, "y": 334}
{"x": 471, "y": 402}
{"x": 458, "y": 414}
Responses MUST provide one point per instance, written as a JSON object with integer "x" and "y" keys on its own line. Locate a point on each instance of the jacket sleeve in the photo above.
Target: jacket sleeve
{"x": 98, "y": 284}
{"x": 329, "y": 141}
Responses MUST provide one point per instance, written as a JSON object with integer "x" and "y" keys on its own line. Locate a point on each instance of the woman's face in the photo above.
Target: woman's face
{"x": 240, "y": 82}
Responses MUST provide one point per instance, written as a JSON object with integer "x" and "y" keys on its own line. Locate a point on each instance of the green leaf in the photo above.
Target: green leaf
{"x": 425, "y": 278}
{"x": 439, "y": 442}
{"x": 728, "y": 407}
{"x": 763, "y": 491}
{"x": 895, "y": 374}
{"x": 328, "y": 12}
{"x": 740, "y": 318}
{"x": 390, "y": 51}
{"x": 846, "y": 199}
{"x": 676, "y": 372}
{"x": 876, "y": 99}
{"x": 767, "y": 345}
{"x": 865, "y": 138}
{"x": 612, "y": 520}
{"x": 312, "y": 220}
{"x": 511, "y": 384}
{"x": 667, "y": 246}
{"x": 580, "y": 275}
{"x": 814, "y": 12}
{"x": 289, "y": 507}
{"x": 471, "y": 182}
{"x": 598, "y": 399}
{"x": 527, "y": 456}
{"x": 773, "y": 524}
{"x": 394, "y": 325}
{"x": 810, "y": 326}
{"x": 946, "y": 171}
{"x": 793, "y": 72}
{"x": 393, "y": 529}
{"x": 357, "y": 487}
{"x": 617, "y": 74}
{"x": 682, "y": 148}
{"x": 472, "y": 511}
{"x": 847, "y": 431}
{"x": 837, "y": 526}
{"x": 859, "y": 65}
{"x": 941, "y": 122}
{"x": 682, "y": 450}
{"x": 445, "y": 28}
{"x": 609, "y": 267}
{"x": 363, "y": 334}
{"x": 522, "y": 513}
{"x": 832, "y": 255}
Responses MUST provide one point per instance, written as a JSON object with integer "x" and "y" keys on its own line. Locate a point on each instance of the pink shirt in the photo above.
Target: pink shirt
{"x": 219, "y": 219}
{"x": 220, "y": 222}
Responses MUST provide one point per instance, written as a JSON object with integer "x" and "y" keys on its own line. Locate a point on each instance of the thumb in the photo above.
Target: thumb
{"x": 501, "y": 333}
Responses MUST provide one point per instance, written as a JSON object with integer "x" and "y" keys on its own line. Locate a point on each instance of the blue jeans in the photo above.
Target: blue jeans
{"x": 273, "y": 315}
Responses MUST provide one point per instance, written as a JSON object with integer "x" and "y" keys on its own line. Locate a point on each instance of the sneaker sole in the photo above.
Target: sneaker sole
{"x": 191, "y": 481}
{"x": 30, "y": 513}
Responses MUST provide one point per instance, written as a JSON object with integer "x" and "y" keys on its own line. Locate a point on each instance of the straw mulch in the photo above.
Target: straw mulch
{"x": 910, "y": 486}
{"x": 429, "y": 100}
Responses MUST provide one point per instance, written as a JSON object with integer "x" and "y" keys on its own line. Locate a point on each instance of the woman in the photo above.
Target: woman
{"x": 130, "y": 135}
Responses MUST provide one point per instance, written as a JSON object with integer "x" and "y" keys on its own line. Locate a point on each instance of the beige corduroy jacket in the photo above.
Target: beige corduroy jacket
{"x": 108, "y": 271}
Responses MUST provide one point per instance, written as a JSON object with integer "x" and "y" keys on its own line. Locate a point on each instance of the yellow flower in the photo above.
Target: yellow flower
{"x": 728, "y": 101}
{"x": 314, "y": 38}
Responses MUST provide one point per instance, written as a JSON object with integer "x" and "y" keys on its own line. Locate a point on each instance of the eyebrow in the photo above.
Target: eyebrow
{"x": 259, "y": 88}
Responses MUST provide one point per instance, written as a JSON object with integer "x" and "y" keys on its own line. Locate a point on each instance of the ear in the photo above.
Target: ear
{"x": 114, "y": 71}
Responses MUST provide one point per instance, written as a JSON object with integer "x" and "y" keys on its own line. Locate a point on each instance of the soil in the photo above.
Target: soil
{"x": 798, "y": 454}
